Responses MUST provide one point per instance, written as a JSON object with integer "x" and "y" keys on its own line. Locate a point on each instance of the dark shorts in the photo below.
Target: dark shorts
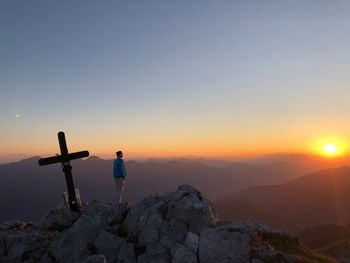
{"x": 118, "y": 178}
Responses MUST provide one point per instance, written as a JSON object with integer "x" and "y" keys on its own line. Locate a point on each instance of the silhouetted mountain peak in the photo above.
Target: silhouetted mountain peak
{"x": 30, "y": 159}
{"x": 24, "y": 162}
{"x": 316, "y": 198}
{"x": 94, "y": 158}
{"x": 339, "y": 175}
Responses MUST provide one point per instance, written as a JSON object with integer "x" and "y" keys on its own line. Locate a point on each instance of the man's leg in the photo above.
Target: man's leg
{"x": 120, "y": 187}
{"x": 117, "y": 188}
{"x": 122, "y": 184}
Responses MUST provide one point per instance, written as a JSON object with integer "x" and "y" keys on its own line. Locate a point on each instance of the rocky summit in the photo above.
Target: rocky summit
{"x": 179, "y": 226}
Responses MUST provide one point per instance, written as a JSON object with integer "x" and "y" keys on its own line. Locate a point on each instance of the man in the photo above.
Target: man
{"x": 119, "y": 174}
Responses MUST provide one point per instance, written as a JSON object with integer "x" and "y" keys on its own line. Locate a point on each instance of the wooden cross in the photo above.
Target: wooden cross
{"x": 65, "y": 159}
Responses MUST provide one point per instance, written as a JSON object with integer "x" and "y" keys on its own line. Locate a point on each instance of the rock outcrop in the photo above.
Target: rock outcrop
{"x": 180, "y": 226}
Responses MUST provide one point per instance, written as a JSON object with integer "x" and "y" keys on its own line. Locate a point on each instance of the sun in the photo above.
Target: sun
{"x": 330, "y": 149}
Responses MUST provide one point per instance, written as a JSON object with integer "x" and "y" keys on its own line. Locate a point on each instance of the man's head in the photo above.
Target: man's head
{"x": 119, "y": 154}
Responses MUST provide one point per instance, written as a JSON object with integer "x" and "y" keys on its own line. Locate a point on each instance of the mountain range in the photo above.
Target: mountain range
{"x": 28, "y": 190}
{"x": 319, "y": 198}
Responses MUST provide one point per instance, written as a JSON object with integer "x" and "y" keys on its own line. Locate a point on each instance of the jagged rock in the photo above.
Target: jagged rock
{"x": 223, "y": 246}
{"x": 155, "y": 254}
{"x": 14, "y": 225}
{"x": 2, "y": 245}
{"x": 108, "y": 245}
{"x": 96, "y": 259}
{"x": 157, "y": 223}
{"x": 58, "y": 219}
{"x": 114, "y": 248}
{"x": 189, "y": 207}
{"x": 180, "y": 226}
{"x": 167, "y": 242}
{"x": 145, "y": 220}
{"x": 77, "y": 243}
{"x": 119, "y": 212}
{"x": 126, "y": 253}
{"x": 26, "y": 246}
{"x": 99, "y": 211}
{"x": 191, "y": 242}
{"x": 182, "y": 254}
{"x": 248, "y": 227}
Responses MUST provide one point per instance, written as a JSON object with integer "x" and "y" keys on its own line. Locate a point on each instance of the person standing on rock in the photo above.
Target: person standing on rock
{"x": 119, "y": 174}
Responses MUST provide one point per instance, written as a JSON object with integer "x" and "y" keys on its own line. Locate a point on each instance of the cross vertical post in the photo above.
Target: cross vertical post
{"x": 67, "y": 169}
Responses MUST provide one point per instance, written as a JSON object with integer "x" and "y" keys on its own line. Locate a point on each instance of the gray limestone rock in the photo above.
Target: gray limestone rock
{"x": 26, "y": 246}
{"x": 114, "y": 248}
{"x": 58, "y": 219}
{"x": 180, "y": 226}
{"x": 191, "y": 242}
{"x": 77, "y": 243}
{"x": 222, "y": 246}
{"x": 96, "y": 259}
{"x": 14, "y": 225}
{"x": 144, "y": 221}
{"x": 155, "y": 254}
{"x": 189, "y": 207}
{"x": 101, "y": 212}
{"x": 108, "y": 245}
{"x": 3, "y": 250}
{"x": 119, "y": 212}
{"x": 181, "y": 254}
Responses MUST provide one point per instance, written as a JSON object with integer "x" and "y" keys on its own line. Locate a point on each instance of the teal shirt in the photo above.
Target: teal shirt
{"x": 119, "y": 168}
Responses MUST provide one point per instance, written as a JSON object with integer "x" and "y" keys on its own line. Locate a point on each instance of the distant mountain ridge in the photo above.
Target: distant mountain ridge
{"x": 315, "y": 199}
{"x": 328, "y": 239}
{"x": 28, "y": 190}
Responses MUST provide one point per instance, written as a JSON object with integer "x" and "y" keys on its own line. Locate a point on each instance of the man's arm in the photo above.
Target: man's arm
{"x": 123, "y": 169}
{"x": 115, "y": 168}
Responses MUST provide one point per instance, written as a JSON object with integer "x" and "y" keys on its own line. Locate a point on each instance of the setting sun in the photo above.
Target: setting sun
{"x": 330, "y": 149}
{"x": 331, "y": 146}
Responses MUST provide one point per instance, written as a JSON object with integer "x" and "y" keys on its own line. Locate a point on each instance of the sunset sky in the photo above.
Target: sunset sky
{"x": 174, "y": 78}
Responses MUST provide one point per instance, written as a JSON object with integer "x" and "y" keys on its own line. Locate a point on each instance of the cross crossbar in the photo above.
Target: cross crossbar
{"x": 63, "y": 158}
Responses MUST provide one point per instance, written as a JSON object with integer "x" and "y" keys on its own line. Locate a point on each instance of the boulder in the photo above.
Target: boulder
{"x": 169, "y": 218}
{"x": 126, "y": 253}
{"x": 108, "y": 245}
{"x": 223, "y": 246}
{"x": 3, "y": 249}
{"x": 182, "y": 254}
{"x": 58, "y": 219}
{"x": 189, "y": 207}
{"x": 155, "y": 254}
{"x": 119, "y": 212}
{"x": 144, "y": 221}
{"x": 191, "y": 242}
{"x": 76, "y": 243}
{"x": 14, "y": 225}
{"x": 101, "y": 212}
{"x": 26, "y": 246}
{"x": 96, "y": 259}
{"x": 114, "y": 248}
{"x": 160, "y": 223}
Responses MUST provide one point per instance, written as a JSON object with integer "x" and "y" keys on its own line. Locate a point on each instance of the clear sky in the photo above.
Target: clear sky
{"x": 173, "y": 78}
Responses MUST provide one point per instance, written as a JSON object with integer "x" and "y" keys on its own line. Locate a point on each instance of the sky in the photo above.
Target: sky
{"x": 173, "y": 78}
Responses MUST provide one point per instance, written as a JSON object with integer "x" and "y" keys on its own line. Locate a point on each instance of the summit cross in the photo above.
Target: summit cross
{"x": 65, "y": 159}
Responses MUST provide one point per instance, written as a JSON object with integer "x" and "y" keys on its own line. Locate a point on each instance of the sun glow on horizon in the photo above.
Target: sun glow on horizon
{"x": 331, "y": 147}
